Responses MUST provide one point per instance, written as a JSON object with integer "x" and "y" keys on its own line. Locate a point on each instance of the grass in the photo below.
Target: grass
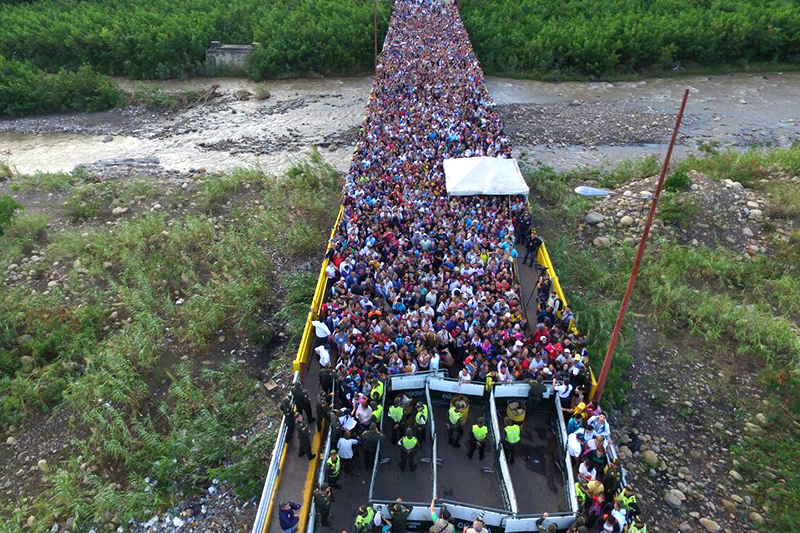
{"x": 105, "y": 343}
{"x": 43, "y": 182}
{"x": 676, "y": 209}
{"x": 748, "y": 308}
{"x": 90, "y": 199}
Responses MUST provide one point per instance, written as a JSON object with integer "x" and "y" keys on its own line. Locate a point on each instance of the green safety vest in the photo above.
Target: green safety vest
{"x": 409, "y": 443}
{"x": 377, "y": 391}
{"x": 454, "y": 416}
{"x": 364, "y": 522}
{"x": 626, "y": 501}
{"x": 396, "y": 413}
{"x": 334, "y": 466}
{"x": 579, "y": 492}
{"x": 480, "y": 432}
{"x": 377, "y": 413}
{"x": 512, "y": 434}
{"x": 422, "y": 416}
{"x": 634, "y": 529}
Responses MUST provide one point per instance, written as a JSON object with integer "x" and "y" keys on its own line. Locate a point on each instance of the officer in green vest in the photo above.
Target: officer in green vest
{"x": 477, "y": 439}
{"x": 455, "y": 427}
{"x": 408, "y": 450}
{"x": 322, "y": 504}
{"x": 334, "y": 465}
{"x": 377, "y": 412}
{"x": 511, "y": 439}
{"x": 638, "y": 526}
{"x": 364, "y": 519}
{"x": 421, "y": 420}
{"x": 376, "y": 394}
{"x": 627, "y": 499}
{"x": 396, "y": 414}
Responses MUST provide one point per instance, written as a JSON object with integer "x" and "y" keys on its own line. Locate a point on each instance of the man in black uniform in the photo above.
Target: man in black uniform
{"x": 532, "y": 244}
{"x": 322, "y": 503}
{"x": 300, "y": 397}
{"x": 304, "y": 438}
{"x": 336, "y": 425}
{"x": 399, "y": 515}
{"x": 288, "y": 417}
{"x": 326, "y": 379}
{"x": 369, "y": 441}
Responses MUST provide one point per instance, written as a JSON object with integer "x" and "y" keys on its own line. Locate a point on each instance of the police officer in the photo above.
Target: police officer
{"x": 455, "y": 426}
{"x": 370, "y": 440}
{"x": 288, "y": 417}
{"x": 376, "y": 394}
{"x": 537, "y": 390}
{"x": 421, "y": 420}
{"x": 396, "y": 414}
{"x": 477, "y": 439}
{"x": 304, "y": 438}
{"x": 399, "y": 512}
{"x": 326, "y": 376}
{"x": 377, "y": 412}
{"x": 511, "y": 439}
{"x": 334, "y": 466}
{"x": 300, "y": 397}
{"x": 322, "y": 409}
{"x": 408, "y": 450}
{"x": 364, "y": 519}
{"x": 336, "y": 425}
{"x": 322, "y": 503}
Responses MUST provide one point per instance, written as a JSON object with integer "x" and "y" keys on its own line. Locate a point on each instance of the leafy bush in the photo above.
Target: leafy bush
{"x": 8, "y": 212}
{"x": 26, "y": 89}
{"x": 678, "y": 210}
{"x": 579, "y": 38}
{"x": 678, "y": 182}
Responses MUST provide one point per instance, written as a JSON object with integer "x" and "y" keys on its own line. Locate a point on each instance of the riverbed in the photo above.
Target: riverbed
{"x": 563, "y": 125}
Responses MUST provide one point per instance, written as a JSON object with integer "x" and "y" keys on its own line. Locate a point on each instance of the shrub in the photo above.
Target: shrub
{"x": 8, "y": 212}
{"x": 678, "y": 182}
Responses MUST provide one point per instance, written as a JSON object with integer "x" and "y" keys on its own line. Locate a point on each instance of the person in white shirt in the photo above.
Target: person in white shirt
{"x": 587, "y": 472}
{"x": 324, "y": 355}
{"x": 345, "y": 449}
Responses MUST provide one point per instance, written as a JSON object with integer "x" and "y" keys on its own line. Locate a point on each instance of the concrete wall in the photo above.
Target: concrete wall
{"x": 228, "y": 57}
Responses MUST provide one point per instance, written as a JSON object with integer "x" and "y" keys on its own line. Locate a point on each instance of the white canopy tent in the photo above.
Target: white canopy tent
{"x": 469, "y": 176}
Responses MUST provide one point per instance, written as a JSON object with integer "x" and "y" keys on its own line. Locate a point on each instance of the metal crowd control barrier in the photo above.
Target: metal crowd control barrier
{"x": 506, "y": 484}
{"x": 266, "y": 503}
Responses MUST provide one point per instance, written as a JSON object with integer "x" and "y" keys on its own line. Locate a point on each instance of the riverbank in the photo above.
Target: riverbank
{"x": 562, "y": 125}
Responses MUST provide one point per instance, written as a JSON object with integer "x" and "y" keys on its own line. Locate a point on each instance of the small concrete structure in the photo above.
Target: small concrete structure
{"x": 228, "y": 58}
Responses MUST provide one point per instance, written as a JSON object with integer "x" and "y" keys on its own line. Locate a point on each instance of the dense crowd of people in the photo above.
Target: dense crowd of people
{"x": 422, "y": 281}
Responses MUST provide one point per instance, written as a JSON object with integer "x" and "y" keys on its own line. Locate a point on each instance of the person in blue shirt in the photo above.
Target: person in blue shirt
{"x": 287, "y": 517}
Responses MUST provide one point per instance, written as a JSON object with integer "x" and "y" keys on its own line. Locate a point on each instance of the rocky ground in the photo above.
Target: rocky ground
{"x": 722, "y": 213}
{"x": 583, "y": 123}
{"x": 676, "y": 434}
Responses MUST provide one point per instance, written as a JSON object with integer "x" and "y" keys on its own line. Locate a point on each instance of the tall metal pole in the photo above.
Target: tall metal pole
{"x": 612, "y": 345}
{"x": 375, "y": 24}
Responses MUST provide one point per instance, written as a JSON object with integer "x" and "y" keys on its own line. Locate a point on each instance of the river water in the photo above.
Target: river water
{"x": 738, "y": 110}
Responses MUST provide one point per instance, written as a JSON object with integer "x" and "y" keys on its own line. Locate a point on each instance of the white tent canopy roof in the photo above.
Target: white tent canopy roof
{"x": 470, "y": 176}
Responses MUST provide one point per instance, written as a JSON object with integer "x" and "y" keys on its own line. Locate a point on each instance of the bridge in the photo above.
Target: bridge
{"x": 397, "y": 232}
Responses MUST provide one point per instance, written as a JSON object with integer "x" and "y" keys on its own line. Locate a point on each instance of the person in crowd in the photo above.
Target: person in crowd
{"x": 398, "y": 514}
{"x": 322, "y": 503}
{"x": 287, "y": 517}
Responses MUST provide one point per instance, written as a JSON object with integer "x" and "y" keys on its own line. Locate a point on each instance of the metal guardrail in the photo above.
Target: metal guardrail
{"x": 273, "y": 473}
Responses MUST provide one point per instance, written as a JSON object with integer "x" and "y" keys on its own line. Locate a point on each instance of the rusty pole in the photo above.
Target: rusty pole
{"x": 612, "y": 345}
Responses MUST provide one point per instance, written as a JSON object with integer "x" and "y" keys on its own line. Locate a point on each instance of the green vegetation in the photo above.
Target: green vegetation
{"x": 8, "y": 212}
{"x": 746, "y": 308}
{"x": 155, "y": 39}
{"x": 121, "y": 341}
{"x": 27, "y": 89}
{"x": 677, "y": 182}
{"x": 579, "y": 38}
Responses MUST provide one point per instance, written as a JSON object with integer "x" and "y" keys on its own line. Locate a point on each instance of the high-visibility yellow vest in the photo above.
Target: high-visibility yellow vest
{"x": 634, "y": 529}
{"x": 422, "y": 416}
{"x": 377, "y": 391}
{"x": 365, "y": 522}
{"x": 454, "y": 416}
{"x": 512, "y": 434}
{"x": 396, "y": 413}
{"x": 626, "y": 501}
{"x": 334, "y": 466}
{"x": 377, "y": 413}
{"x": 409, "y": 443}
{"x": 480, "y": 432}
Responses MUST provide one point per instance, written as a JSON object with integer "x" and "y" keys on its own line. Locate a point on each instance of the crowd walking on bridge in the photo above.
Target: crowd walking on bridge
{"x": 420, "y": 281}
